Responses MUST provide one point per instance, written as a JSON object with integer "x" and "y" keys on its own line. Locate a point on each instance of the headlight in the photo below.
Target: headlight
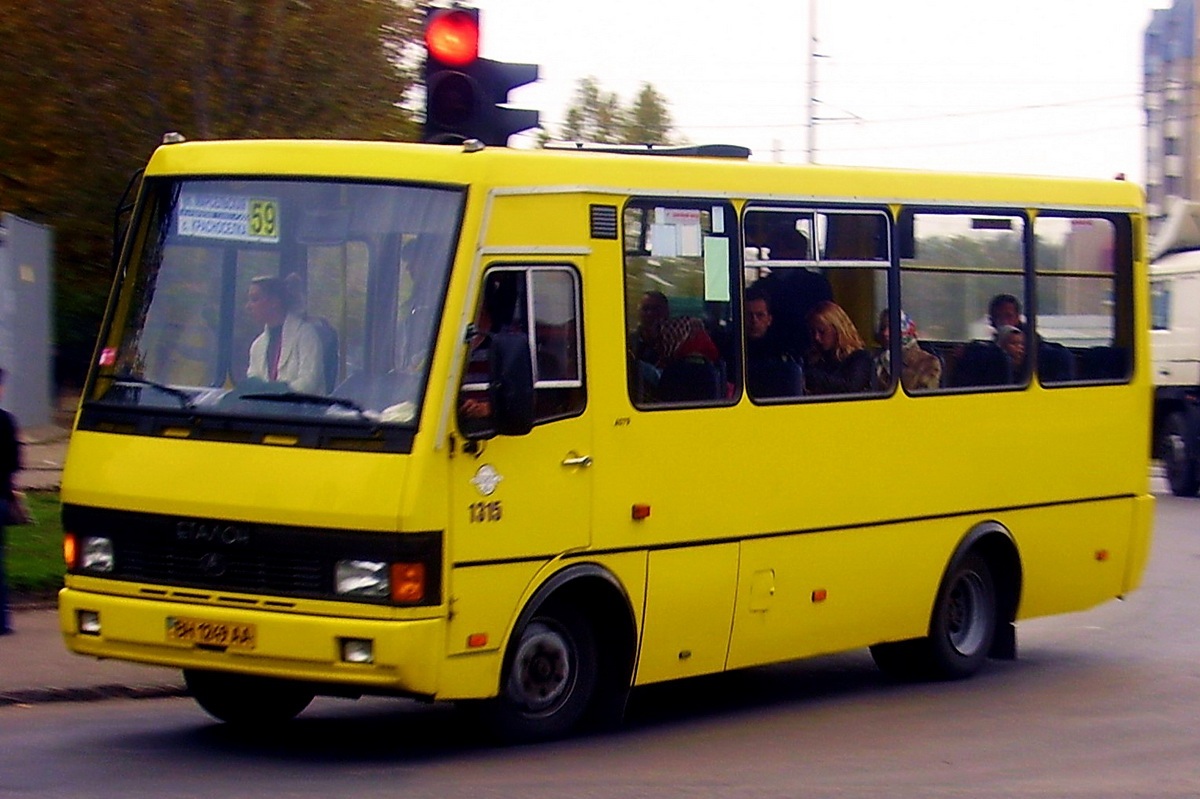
{"x": 96, "y": 555}
{"x": 366, "y": 578}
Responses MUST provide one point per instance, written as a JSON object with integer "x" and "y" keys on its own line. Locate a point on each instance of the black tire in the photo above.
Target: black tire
{"x": 961, "y": 630}
{"x": 1182, "y": 473}
{"x": 549, "y": 680}
{"x": 247, "y": 701}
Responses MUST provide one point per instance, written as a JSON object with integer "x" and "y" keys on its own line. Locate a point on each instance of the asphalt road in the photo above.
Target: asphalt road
{"x": 1100, "y": 704}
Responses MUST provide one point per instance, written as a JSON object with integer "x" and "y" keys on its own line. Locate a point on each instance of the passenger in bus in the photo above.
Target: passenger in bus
{"x": 919, "y": 370}
{"x": 794, "y": 290}
{"x": 1004, "y": 309}
{"x": 838, "y": 361}
{"x": 672, "y": 360}
{"x": 1011, "y": 339}
{"x": 653, "y": 310}
{"x": 289, "y": 349}
{"x": 770, "y": 370}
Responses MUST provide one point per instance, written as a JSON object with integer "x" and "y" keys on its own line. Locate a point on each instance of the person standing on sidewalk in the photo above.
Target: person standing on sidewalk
{"x": 10, "y": 464}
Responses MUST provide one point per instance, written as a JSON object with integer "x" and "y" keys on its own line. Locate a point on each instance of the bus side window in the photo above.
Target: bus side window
{"x": 682, "y": 339}
{"x": 540, "y": 304}
{"x": 1084, "y": 330}
{"x": 810, "y": 269}
{"x": 962, "y": 278}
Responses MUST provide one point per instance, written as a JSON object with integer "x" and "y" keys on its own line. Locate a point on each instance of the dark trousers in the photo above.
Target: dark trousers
{"x": 5, "y": 621}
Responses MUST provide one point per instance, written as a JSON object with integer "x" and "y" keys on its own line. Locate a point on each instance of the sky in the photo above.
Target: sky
{"x": 1039, "y": 87}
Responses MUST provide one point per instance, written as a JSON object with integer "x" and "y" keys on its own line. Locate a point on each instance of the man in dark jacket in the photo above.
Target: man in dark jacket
{"x": 10, "y": 464}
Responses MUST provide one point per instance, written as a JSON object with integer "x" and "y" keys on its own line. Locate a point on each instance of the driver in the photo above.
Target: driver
{"x": 289, "y": 348}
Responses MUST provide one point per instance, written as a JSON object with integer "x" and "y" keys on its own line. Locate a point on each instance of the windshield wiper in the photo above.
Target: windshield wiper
{"x": 185, "y": 399}
{"x": 300, "y": 398}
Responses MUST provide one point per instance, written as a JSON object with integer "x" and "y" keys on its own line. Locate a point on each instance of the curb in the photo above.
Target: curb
{"x": 42, "y": 696}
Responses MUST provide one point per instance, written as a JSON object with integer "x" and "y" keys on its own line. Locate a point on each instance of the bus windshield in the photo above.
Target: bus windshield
{"x": 280, "y": 298}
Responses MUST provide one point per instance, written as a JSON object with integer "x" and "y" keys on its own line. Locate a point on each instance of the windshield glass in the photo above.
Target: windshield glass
{"x": 281, "y": 298}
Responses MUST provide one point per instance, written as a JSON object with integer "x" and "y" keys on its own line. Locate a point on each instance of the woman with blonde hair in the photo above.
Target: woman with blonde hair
{"x": 838, "y": 362}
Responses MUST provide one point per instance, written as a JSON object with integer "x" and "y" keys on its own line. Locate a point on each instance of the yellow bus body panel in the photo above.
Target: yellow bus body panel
{"x": 291, "y": 646}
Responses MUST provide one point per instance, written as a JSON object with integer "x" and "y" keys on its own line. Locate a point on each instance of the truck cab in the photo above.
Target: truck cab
{"x": 1175, "y": 346}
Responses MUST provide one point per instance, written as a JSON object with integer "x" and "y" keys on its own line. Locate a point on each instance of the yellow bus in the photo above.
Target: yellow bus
{"x": 528, "y": 429}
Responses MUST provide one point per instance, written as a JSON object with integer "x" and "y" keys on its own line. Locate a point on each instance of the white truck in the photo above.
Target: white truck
{"x": 1175, "y": 346}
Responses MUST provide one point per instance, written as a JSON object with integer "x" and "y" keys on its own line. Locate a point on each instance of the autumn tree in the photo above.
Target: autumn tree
{"x": 90, "y": 86}
{"x": 596, "y": 115}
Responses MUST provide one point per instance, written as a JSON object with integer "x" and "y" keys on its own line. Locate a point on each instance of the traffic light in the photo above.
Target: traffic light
{"x": 465, "y": 94}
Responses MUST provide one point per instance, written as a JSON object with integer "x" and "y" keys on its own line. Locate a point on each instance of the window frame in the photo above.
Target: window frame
{"x": 1123, "y": 302}
{"x": 528, "y": 269}
{"x": 731, "y": 232}
{"x": 906, "y": 242}
{"x": 818, "y": 243}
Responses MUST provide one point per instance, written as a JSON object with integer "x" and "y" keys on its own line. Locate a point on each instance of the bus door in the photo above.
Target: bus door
{"x": 523, "y": 493}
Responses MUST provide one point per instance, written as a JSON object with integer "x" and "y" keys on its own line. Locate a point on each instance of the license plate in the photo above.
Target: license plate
{"x": 207, "y": 632}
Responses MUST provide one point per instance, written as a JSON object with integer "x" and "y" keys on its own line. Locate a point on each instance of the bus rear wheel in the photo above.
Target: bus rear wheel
{"x": 245, "y": 700}
{"x": 550, "y": 679}
{"x": 961, "y": 630}
{"x": 1182, "y": 473}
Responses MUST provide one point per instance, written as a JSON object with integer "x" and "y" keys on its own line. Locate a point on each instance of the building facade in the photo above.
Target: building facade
{"x": 1170, "y": 100}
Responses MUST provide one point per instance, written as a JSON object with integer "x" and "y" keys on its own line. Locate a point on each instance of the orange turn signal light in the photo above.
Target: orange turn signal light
{"x": 641, "y": 511}
{"x": 408, "y": 582}
{"x": 70, "y": 551}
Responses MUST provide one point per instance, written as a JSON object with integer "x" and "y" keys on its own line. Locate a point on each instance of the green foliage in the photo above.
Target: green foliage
{"x": 34, "y": 552}
{"x": 90, "y": 86}
{"x": 598, "y": 116}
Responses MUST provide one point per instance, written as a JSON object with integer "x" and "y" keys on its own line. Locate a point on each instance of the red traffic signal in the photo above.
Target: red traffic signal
{"x": 466, "y": 97}
{"x": 452, "y": 35}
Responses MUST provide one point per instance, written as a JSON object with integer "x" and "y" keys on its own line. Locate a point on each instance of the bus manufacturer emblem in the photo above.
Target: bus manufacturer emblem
{"x": 486, "y": 480}
{"x": 213, "y": 565}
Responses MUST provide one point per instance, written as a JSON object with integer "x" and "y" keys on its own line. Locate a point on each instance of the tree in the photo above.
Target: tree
{"x": 90, "y": 86}
{"x": 649, "y": 121}
{"x": 598, "y": 116}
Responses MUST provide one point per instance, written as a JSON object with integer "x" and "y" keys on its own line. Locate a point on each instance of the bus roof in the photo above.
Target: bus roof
{"x": 603, "y": 172}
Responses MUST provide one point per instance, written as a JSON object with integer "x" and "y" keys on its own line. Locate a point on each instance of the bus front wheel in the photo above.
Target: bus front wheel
{"x": 550, "y": 678}
{"x": 246, "y": 700}
{"x": 961, "y": 629}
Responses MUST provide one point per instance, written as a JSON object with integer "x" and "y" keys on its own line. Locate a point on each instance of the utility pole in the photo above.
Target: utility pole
{"x": 812, "y": 81}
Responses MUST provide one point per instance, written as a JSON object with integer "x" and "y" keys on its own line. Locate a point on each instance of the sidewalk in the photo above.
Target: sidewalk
{"x": 35, "y": 665}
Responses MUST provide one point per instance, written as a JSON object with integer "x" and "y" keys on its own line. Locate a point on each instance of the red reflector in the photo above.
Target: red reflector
{"x": 453, "y": 38}
{"x": 819, "y": 595}
{"x": 476, "y": 640}
{"x": 1102, "y": 554}
{"x": 641, "y": 511}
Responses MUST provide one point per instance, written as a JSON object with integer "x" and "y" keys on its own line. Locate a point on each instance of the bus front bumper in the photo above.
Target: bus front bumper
{"x": 357, "y": 655}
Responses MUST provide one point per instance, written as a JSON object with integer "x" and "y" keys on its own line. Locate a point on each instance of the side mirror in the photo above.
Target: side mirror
{"x": 511, "y": 385}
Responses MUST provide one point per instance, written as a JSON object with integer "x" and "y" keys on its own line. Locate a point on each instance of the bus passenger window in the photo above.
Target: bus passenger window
{"x": 815, "y": 279}
{"x": 682, "y": 344}
{"x": 962, "y": 278}
{"x": 1083, "y": 328}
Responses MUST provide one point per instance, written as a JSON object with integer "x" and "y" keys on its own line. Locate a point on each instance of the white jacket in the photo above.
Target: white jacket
{"x": 300, "y": 361}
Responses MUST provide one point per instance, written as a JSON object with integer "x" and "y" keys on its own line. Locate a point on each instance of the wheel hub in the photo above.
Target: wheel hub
{"x": 541, "y": 669}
